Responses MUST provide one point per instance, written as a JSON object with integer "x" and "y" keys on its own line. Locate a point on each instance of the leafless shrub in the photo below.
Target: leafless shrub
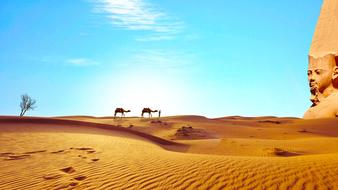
{"x": 27, "y": 103}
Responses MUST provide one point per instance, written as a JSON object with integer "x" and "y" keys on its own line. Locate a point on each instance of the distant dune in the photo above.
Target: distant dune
{"x": 177, "y": 152}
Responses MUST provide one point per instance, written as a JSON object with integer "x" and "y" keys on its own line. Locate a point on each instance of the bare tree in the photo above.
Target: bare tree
{"x": 27, "y": 103}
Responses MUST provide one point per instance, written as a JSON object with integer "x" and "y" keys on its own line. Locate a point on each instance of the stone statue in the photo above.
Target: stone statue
{"x": 323, "y": 81}
{"x": 323, "y": 64}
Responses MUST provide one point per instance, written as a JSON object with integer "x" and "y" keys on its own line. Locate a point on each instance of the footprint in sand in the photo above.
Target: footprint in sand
{"x": 91, "y": 151}
{"x": 285, "y": 153}
{"x": 5, "y": 154}
{"x": 52, "y": 176}
{"x": 34, "y": 152}
{"x": 67, "y": 185}
{"x": 84, "y": 157}
{"x": 83, "y": 148}
{"x": 68, "y": 170}
{"x": 88, "y": 151}
{"x": 80, "y": 178}
{"x": 73, "y": 183}
{"x": 17, "y": 157}
{"x": 58, "y": 151}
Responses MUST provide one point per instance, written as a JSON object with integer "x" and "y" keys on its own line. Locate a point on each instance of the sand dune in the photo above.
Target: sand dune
{"x": 134, "y": 153}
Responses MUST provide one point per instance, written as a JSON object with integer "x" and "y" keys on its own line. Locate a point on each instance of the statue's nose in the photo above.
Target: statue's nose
{"x": 311, "y": 78}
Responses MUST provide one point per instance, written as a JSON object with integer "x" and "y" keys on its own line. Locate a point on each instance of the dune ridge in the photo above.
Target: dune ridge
{"x": 55, "y": 121}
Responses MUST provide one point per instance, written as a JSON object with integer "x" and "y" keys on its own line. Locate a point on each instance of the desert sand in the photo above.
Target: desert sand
{"x": 178, "y": 152}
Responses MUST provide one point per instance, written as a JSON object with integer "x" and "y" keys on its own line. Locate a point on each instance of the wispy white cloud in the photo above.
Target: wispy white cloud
{"x": 81, "y": 62}
{"x": 162, "y": 59}
{"x": 141, "y": 16}
{"x": 156, "y": 37}
{"x": 56, "y": 60}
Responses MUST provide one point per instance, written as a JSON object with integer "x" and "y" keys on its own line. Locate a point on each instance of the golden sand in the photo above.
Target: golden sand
{"x": 236, "y": 153}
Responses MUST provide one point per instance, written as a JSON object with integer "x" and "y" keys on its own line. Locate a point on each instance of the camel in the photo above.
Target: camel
{"x": 120, "y": 110}
{"x": 148, "y": 110}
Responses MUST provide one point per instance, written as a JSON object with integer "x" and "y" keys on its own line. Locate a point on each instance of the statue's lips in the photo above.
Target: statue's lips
{"x": 313, "y": 88}
{"x": 313, "y": 85}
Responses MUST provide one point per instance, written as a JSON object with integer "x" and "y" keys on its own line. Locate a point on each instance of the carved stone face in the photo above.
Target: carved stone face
{"x": 320, "y": 73}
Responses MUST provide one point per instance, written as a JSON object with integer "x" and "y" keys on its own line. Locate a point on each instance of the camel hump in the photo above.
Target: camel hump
{"x": 119, "y": 109}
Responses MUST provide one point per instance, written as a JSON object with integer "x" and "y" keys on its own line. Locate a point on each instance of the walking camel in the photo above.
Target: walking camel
{"x": 120, "y": 110}
{"x": 149, "y": 111}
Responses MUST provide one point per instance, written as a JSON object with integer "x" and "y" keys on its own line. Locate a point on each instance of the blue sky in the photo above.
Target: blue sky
{"x": 212, "y": 58}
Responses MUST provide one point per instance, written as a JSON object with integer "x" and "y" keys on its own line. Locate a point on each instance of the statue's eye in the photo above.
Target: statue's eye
{"x": 318, "y": 72}
{"x": 309, "y": 73}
